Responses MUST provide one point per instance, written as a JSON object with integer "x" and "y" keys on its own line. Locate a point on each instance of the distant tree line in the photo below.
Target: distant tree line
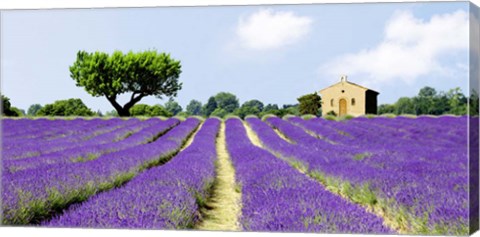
{"x": 69, "y": 107}
{"x": 429, "y": 101}
{"x": 220, "y": 105}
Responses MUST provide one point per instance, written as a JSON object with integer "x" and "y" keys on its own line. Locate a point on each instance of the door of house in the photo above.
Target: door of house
{"x": 343, "y": 107}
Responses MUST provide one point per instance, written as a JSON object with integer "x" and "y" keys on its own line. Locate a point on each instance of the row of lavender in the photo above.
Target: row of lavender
{"x": 25, "y": 138}
{"x": 34, "y": 194}
{"x": 276, "y": 197}
{"x": 163, "y": 197}
{"x": 417, "y": 167}
{"x": 387, "y": 154}
{"x": 46, "y": 128}
{"x": 171, "y": 194}
{"x": 123, "y": 137}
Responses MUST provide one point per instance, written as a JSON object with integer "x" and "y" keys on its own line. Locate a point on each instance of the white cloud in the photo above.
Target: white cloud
{"x": 411, "y": 48}
{"x": 268, "y": 30}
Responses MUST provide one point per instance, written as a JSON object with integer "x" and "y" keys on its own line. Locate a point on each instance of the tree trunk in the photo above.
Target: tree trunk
{"x": 123, "y": 112}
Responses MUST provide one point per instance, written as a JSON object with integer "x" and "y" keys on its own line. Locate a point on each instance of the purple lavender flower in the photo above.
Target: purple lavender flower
{"x": 164, "y": 197}
{"x": 419, "y": 164}
{"x": 276, "y": 197}
{"x": 31, "y": 196}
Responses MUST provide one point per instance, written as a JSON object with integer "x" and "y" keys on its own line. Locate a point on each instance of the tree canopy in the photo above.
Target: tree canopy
{"x": 219, "y": 112}
{"x": 146, "y": 73}
{"x": 8, "y": 109}
{"x": 70, "y": 107}
{"x": 33, "y": 109}
{"x": 194, "y": 107}
{"x": 209, "y": 107}
{"x": 173, "y": 107}
{"x": 251, "y": 107}
{"x": 223, "y": 103}
{"x": 147, "y": 110}
{"x": 227, "y": 101}
{"x": 310, "y": 104}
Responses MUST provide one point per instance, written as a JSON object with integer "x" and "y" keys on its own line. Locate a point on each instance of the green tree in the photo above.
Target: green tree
{"x": 293, "y": 110}
{"x": 286, "y": 106}
{"x": 227, "y": 101}
{"x": 404, "y": 105}
{"x": 70, "y": 107}
{"x": 194, "y": 107}
{"x": 9, "y": 110}
{"x": 425, "y": 101}
{"x": 173, "y": 107}
{"x": 386, "y": 109}
{"x": 270, "y": 107}
{"x": 158, "y": 110}
{"x": 209, "y": 107}
{"x": 310, "y": 104}
{"x": 5, "y": 104}
{"x": 19, "y": 112}
{"x": 112, "y": 113}
{"x": 143, "y": 74}
{"x": 251, "y": 107}
{"x": 256, "y": 104}
{"x": 427, "y": 92}
{"x": 219, "y": 112}
{"x": 457, "y": 101}
{"x": 33, "y": 109}
{"x": 140, "y": 110}
{"x": 440, "y": 104}
{"x": 150, "y": 111}
{"x": 7, "y": 107}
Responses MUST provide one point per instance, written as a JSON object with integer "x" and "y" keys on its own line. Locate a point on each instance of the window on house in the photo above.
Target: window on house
{"x": 331, "y": 102}
{"x": 353, "y": 101}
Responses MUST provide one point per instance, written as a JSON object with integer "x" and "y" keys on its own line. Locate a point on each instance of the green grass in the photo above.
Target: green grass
{"x": 308, "y": 116}
{"x": 346, "y": 117}
{"x": 88, "y": 157}
{"x": 361, "y": 156}
{"x": 389, "y": 115}
{"x": 224, "y": 203}
{"x": 330, "y": 117}
{"x": 299, "y": 166}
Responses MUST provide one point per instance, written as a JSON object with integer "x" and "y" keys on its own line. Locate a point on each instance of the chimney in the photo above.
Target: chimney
{"x": 343, "y": 78}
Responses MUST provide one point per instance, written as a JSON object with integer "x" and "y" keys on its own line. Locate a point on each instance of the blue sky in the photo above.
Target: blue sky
{"x": 271, "y": 53}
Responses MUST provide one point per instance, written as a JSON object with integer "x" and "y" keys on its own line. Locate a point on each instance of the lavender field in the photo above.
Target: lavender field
{"x": 363, "y": 175}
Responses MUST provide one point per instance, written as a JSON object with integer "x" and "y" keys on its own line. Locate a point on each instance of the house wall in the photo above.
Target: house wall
{"x": 350, "y": 91}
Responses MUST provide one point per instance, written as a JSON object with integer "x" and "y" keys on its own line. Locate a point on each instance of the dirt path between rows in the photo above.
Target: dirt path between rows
{"x": 224, "y": 206}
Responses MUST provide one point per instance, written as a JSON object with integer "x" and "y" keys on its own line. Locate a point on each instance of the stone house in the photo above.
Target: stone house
{"x": 349, "y": 98}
